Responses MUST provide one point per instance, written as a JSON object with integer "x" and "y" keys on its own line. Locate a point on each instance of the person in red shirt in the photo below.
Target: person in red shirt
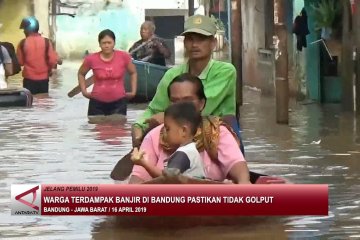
{"x": 109, "y": 67}
{"x": 38, "y": 57}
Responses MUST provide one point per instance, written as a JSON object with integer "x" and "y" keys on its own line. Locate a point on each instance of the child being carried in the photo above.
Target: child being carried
{"x": 181, "y": 123}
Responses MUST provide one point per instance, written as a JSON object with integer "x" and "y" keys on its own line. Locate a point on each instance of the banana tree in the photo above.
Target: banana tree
{"x": 325, "y": 13}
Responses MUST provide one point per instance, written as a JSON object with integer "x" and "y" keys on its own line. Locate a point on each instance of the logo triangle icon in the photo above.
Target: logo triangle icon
{"x": 30, "y": 204}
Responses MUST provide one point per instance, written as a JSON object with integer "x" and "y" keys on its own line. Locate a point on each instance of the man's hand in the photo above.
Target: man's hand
{"x": 155, "y": 120}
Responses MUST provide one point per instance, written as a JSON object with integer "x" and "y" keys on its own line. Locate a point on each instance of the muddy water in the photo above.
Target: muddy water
{"x": 54, "y": 143}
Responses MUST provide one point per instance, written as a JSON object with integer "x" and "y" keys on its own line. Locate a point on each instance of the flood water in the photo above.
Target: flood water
{"x": 52, "y": 142}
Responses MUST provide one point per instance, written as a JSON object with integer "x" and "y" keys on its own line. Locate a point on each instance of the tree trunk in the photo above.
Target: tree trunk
{"x": 236, "y": 55}
{"x": 282, "y": 80}
{"x": 347, "y": 67}
{"x": 53, "y": 22}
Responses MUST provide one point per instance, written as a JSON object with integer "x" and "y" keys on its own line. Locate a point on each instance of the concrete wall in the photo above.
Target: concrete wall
{"x": 13, "y": 11}
{"x": 253, "y": 18}
{"x": 76, "y": 35}
{"x": 11, "y": 14}
{"x": 161, "y": 4}
{"x": 41, "y": 12}
{"x": 253, "y": 39}
{"x": 312, "y": 57}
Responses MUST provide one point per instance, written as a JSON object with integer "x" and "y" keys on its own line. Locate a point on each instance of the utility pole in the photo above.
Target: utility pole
{"x": 357, "y": 62}
{"x": 53, "y": 22}
{"x": 191, "y": 7}
{"x": 281, "y": 62}
{"x": 236, "y": 51}
{"x": 269, "y": 23}
{"x": 347, "y": 65}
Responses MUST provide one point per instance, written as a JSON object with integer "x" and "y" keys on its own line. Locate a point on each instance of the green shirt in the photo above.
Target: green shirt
{"x": 219, "y": 80}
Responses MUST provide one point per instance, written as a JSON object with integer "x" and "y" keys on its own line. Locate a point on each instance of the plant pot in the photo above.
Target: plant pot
{"x": 326, "y": 33}
{"x": 220, "y": 35}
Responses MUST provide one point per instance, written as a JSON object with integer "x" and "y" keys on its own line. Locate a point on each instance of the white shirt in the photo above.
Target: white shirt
{"x": 196, "y": 168}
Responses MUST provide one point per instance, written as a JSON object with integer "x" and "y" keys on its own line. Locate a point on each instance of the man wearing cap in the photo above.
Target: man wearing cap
{"x": 219, "y": 78}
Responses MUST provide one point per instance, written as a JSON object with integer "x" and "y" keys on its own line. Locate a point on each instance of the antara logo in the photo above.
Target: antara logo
{"x": 30, "y": 204}
{"x": 25, "y": 199}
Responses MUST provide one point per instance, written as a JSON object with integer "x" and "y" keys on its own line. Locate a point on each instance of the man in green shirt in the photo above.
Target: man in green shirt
{"x": 219, "y": 78}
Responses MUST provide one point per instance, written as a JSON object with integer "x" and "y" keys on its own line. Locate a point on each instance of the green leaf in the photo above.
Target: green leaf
{"x": 325, "y": 12}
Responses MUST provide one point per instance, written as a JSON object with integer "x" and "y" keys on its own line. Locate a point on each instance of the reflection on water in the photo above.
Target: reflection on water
{"x": 152, "y": 228}
{"x": 320, "y": 146}
{"x": 53, "y": 142}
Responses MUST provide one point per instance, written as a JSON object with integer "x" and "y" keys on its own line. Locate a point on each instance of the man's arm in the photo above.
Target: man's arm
{"x": 53, "y": 56}
{"x": 220, "y": 90}
{"x": 159, "y": 102}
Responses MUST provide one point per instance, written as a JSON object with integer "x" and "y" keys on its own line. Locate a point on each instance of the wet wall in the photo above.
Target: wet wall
{"x": 11, "y": 13}
{"x": 76, "y": 35}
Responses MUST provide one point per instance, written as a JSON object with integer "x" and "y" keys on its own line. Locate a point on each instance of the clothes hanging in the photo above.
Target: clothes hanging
{"x": 300, "y": 29}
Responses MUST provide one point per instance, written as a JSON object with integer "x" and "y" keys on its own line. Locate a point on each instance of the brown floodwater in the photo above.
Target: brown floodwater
{"x": 53, "y": 142}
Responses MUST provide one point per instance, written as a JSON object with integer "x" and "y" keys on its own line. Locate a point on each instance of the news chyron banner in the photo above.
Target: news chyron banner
{"x": 169, "y": 200}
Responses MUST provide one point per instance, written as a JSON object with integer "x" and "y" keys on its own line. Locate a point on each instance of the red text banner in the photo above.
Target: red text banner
{"x": 183, "y": 200}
